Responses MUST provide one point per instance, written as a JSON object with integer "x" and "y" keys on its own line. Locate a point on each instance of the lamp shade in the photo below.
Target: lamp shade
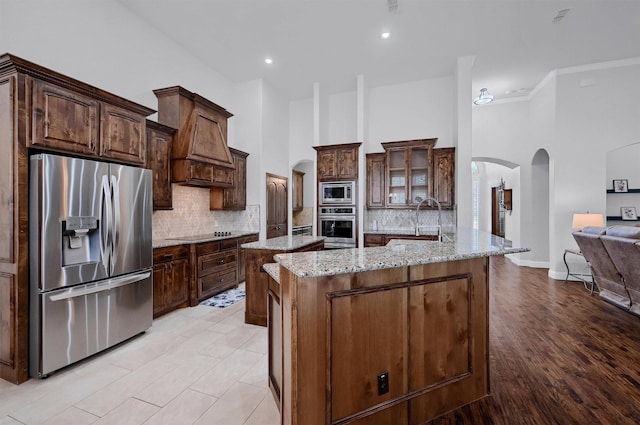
{"x": 582, "y": 220}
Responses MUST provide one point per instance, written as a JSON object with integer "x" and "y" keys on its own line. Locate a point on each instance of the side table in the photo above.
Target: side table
{"x": 579, "y": 276}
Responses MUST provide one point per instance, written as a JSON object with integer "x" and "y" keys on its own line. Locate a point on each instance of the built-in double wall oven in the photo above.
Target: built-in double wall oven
{"x": 337, "y": 214}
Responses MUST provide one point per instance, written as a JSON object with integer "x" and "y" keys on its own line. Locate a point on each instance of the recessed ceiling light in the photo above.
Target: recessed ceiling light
{"x": 385, "y": 35}
{"x": 268, "y": 61}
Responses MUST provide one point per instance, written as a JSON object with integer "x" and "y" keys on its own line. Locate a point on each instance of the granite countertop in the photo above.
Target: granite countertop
{"x": 283, "y": 243}
{"x": 186, "y": 240}
{"x": 273, "y": 270}
{"x": 464, "y": 244}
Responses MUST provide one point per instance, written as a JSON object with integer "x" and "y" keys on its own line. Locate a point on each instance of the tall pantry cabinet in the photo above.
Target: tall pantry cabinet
{"x": 41, "y": 110}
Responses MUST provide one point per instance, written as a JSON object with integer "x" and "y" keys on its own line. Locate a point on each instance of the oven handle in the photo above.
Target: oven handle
{"x": 351, "y": 217}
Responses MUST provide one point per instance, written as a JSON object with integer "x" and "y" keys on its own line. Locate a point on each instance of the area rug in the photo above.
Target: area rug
{"x": 226, "y": 298}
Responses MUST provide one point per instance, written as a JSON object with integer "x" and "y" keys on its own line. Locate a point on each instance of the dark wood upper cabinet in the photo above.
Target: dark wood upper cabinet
{"x": 444, "y": 176}
{"x": 298, "y": 191}
{"x": 123, "y": 135}
{"x": 408, "y": 170}
{"x": 71, "y": 121}
{"x": 200, "y": 155}
{"x": 235, "y": 197}
{"x": 376, "y": 178}
{"x": 337, "y": 162}
{"x": 159, "y": 140}
{"x": 64, "y": 119}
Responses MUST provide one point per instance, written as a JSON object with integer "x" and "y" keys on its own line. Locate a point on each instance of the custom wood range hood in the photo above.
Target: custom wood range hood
{"x": 200, "y": 155}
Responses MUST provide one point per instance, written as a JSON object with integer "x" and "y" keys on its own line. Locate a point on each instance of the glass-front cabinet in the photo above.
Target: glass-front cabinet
{"x": 409, "y": 170}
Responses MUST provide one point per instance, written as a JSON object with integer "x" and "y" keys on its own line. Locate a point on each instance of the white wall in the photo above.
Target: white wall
{"x": 577, "y": 115}
{"x": 597, "y": 111}
{"x": 301, "y": 131}
{"x": 416, "y": 110}
{"x": 342, "y": 117}
{"x": 103, "y": 44}
{"x": 623, "y": 163}
{"x": 247, "y": 105}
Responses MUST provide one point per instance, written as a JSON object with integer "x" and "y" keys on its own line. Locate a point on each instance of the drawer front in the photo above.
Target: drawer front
{"x": 223, "y": 176}
{"x": 170, "y": 253}
{"x": 228, "y": 244}
{"x": 205, "y": 248}
{"x": 199, "y": 172}
{"x": 212, "y": 263}
{"x": 373, "y": 240}
{"x": 212, "y": 283}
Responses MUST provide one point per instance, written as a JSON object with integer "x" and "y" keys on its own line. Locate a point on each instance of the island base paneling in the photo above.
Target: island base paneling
{"x": 426, "y": 326}
{"x": 256, "y": 282}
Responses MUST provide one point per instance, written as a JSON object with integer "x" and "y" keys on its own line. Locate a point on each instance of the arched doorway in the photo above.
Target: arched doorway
{"x": 539, "y": 215}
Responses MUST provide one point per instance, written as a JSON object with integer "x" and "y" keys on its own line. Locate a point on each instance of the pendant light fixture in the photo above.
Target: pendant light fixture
{"x": 484, "y": 97}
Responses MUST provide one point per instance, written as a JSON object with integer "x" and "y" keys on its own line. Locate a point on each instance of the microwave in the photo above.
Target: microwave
{"x": 332, "y": 193}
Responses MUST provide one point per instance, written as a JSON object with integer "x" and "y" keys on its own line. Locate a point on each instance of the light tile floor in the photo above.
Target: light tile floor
{"x": 200, "y": 365}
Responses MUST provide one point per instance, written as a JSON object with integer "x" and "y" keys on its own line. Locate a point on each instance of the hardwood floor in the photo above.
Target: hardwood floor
{"x": 558, "y": 355}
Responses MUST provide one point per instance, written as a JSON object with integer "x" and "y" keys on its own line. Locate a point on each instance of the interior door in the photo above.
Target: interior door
{"x": 277, "y": 213}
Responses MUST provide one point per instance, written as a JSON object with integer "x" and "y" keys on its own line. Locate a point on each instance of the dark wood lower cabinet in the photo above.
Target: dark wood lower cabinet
{"x": 215, "y": 266}
{"x": 242, "y": 255}
{"x": 170, "y": 279}
{"x": 184, "y": 275}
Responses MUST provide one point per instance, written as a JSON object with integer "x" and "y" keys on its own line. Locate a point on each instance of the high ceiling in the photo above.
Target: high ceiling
{"x": 515, "y": 43}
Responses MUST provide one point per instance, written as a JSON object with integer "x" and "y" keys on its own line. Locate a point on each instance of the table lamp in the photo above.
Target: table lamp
{"x": 582, "y": 220}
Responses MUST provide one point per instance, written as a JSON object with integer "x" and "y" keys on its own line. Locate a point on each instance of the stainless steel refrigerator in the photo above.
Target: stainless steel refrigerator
{"x": 90, "y": 258}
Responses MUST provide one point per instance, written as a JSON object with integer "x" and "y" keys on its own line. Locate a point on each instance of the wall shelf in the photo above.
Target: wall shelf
{"x": 618, "y": 218}
{"x": 630, "y": 191}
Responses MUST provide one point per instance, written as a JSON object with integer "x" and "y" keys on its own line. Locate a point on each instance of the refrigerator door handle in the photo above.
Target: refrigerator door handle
{"x": 116, "y": 222}
{"x": 105, "y": 232}
{"x": 103, "y": 286}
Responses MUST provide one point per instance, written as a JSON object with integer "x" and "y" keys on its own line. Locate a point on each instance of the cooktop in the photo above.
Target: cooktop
{"x": 218, "y": 234}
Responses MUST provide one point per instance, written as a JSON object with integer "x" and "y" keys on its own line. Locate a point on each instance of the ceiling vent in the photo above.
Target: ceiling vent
{"x": 392, "y": 5}
{"x": 559, "y": 16}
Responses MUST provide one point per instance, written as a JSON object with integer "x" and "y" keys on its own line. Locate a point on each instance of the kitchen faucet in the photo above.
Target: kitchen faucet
{"x": 420, "y": 200}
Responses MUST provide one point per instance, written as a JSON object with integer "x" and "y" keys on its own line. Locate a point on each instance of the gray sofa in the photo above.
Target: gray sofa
{"x": 614, "y": 255}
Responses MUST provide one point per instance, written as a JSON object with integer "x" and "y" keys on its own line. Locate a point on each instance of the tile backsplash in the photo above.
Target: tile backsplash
{"x": 405, "y": 219}
{"x": 303, "y": 217}
{"x": 191, "y": 216}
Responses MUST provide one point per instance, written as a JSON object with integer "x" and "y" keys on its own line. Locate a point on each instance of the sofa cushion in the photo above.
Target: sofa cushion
{"x": 595, "y": 230}
{"x": 630, "y": 232}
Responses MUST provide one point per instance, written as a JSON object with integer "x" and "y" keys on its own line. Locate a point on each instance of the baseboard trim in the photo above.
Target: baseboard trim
{"x": 528, "y": 263}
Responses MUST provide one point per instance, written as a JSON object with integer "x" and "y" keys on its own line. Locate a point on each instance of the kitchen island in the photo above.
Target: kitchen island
{"x": 386, "y": 335}
{"x": 256, "y": 284}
